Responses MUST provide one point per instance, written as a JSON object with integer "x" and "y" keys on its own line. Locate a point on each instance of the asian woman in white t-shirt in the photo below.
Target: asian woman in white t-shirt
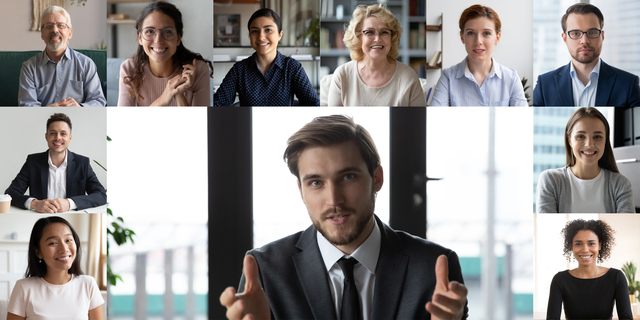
{"x": 590, "y": 182}
{"x": 54, "y": 286}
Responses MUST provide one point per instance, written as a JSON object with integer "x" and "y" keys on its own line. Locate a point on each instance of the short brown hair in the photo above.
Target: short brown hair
{"x": 58, "y": 117}
{"x": 354, "y": 29}
{"x": 328, "y": 131}
{"x": 608, "y": 161}
{"x": 478, "y": 11}
{"x": 582, "y": 8}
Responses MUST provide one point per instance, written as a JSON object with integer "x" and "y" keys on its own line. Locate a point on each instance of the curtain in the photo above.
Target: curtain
{"x": 94, "y": 245}
{"x": 38, "y": 8}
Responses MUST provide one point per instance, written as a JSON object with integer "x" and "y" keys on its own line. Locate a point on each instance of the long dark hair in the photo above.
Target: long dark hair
{"x": 37, "y": 269}
{"x": 607, "y": 161}
{"x": 140, "y": 59}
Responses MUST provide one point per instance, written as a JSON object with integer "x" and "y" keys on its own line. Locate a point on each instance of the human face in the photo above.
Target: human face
{"x": 57, "y": 247}
{"x": 479, "y": 38}
{"x": 58, "y": 137}
{"x": 584, "y": 50}
{"x": 376, "y": 38}
{"x": 264, "y": 35}
{"x": 587, "y": 141}
{"x": 55, "y": 39}
{"x": 159, "y": 50}
{"x": 586, "y": 247}
{"x": 338, "y": 191}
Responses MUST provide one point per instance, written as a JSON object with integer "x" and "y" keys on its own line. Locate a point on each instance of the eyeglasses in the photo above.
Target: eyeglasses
{"x": 168, "y": 33}
{"x": 60, "y": 26}
{"x": 577, "y": 34}
{"x": 384, "y": 33}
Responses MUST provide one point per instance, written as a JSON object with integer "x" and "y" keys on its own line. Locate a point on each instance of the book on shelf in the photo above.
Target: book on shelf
{"x": 417, "y": 8}
{"x": 331, "y": 40}
{"x": 420, "y": 66}
{"x": 429, "y": 91}
{"x": 435, "y": 58}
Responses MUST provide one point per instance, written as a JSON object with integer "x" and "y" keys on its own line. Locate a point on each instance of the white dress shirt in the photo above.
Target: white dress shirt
{"x": 57, "y": 184}
{"x": 364, "y": 272}
{"x": 585, "y": 96}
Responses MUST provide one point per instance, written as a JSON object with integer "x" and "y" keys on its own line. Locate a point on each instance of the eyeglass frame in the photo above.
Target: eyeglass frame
{"x": 583, "y": 33}
{"x": 50, "y": 25}
{"x": 376, "y": 32}
{"x": 156, "y": 31}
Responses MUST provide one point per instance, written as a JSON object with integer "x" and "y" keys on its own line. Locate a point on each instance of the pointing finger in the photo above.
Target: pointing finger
{"x": 250, "y": 273}
{"x": 442, "y": 273}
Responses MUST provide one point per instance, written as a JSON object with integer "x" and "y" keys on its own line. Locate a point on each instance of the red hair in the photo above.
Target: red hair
{"x": 478, "y": 11}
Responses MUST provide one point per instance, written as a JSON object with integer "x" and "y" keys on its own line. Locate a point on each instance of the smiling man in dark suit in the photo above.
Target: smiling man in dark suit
{"x": 586, "y": 81}
{"x": 58, "y": 179}
{"x": 348, "y": 264}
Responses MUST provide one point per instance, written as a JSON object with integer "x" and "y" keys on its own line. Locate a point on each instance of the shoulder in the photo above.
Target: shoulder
{"x": 85, "y": 280}
{"x": 616, "y": 273}
{"x": 562, "y": 276}
{"x": 279, "y": 248}
{"x": 127, "y": 66}
{"x": 78, "y": 157}
{"x": 508, "y": 74}
{"x": 29, "y": 283}
{"x": 624, "y": 75}
{"x": 407, "y": 72}
{"x": 290, "y": 62}
{"x": 553, "y": 174}
{"x": 80, "y": 57}
{"x": 617, "y": 179}
{"x": 346, "y": 68}
{"x": 37, "y": 156}
{"x": 33, "y": 61}
{"x": 549, "y": 75}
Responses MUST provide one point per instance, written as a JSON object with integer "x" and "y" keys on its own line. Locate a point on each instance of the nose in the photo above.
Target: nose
{"x": 334, "y": 195}
{"x": 585, "y": 39}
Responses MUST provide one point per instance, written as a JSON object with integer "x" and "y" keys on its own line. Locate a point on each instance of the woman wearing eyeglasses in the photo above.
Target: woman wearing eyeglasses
{"x": 163, "y": 72}
{"x": 374, "y": 77}
{"x": 479, "y": 80}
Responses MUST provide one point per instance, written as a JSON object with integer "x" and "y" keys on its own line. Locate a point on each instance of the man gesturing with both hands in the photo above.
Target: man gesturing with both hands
{"x": 348, "y": 264}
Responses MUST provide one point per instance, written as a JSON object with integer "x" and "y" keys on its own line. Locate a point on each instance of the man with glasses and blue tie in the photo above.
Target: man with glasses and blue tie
{"x": 59, "y": 76}
{"x": 586, "y": 81}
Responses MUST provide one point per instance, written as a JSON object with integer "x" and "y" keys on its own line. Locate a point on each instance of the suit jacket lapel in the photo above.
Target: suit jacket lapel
{"x": 564, "y": 87}
{"x": 390, "y": 274}
{"x": 71, "y": 169}
{"x": 313, "y": 276}
{"x": 606, "y": 79}
{"x": 44, "y": 175}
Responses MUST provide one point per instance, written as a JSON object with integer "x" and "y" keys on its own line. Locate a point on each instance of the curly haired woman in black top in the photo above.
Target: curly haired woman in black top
{"x": 588, "y": 291}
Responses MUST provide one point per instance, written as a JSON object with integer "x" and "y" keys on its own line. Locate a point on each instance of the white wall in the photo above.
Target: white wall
{"x": 197, "y": 17}
{"x": 23, "y": 131}
{"x": 515, "y": 49}
{"x": 89, "y": 25}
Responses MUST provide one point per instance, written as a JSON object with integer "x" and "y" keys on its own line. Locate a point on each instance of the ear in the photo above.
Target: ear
{"x": 70, "y": 33}
{"x": 38, "y": 254}
{"x": 139, "y": 38}
{"x": 70, "y": 137}
{"x": 281, "y": 33}
{"x": 300, "y": 189}
{"x": 178, "y": 41}
{"x": 461, "y": 38}
{"x": 603, "y": 35}
{"x": 378, "y": 179}
{"x": 564, "y": 37}
{"x": 498, "y": 38}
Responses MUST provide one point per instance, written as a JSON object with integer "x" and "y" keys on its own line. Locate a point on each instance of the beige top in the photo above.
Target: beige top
{"x": 348, "y": 89}
{"x": 152, "y": 86}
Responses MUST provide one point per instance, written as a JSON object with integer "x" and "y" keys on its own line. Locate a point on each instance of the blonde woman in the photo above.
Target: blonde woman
{"x": 374, "y": 77}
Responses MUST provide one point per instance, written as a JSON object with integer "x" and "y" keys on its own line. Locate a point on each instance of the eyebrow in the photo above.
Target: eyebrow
{"x": 586, "y": 241}
{"x": 68, "y": 234}
{"x": 600, "y": 132}
{"x": 341, "y": 171}
{"x": 267, "y": 26}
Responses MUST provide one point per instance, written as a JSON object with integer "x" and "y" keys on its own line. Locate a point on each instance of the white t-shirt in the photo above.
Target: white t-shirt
{"x": 36, "y": 299}
{"x": 587, "y": 196}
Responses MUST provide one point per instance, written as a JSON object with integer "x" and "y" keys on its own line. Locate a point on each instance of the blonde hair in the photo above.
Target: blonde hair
{"x": 354, "y": 29}
{"x": 56, "y": 9}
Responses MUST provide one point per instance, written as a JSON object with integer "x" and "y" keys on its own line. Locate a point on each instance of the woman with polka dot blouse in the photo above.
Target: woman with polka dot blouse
{"x": 266, "y": 78}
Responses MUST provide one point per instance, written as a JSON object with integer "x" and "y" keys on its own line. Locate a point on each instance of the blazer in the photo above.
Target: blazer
{"x": 82, "y": 187}
{"x": 615, "y": 88}
{"x": 296, "y": 282}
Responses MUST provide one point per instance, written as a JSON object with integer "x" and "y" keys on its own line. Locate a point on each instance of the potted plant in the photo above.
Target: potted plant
{"x": 629, "y": 270}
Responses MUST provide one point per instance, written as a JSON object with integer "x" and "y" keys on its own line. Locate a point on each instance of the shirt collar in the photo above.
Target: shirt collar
{"x": 596, "y": 69}
{"x": 367, "y": 253}
{"x": 279, "y": 61}
{"x": 46, "y": 59}
{"x": 63, "y": 164}
{"x": 463, "y": 70}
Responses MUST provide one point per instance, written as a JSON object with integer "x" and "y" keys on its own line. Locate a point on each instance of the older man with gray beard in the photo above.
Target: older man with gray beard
{"x": 59, "y": 76}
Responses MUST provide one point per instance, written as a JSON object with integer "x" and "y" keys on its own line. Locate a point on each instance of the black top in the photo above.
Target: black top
{"x": 589, "y": 298}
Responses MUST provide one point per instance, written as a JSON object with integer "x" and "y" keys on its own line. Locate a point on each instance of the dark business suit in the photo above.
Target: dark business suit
{"x": 82, "y": 186}
{"x": 616, "y": 88}
{"x": 296, "y": 281}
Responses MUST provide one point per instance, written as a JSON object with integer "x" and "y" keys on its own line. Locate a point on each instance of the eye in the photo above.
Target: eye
{"x": 385, "y": 33}
{"x": 314, "y": 183}
{"x": 598, "y": 137}
{"x": 268, "y": 30}
{"x": 487, "y": 33}
{"x": 254, "y": 31}
{"x": 149, "y": 31}
{"x": 349, "y": 176}
{"x": 367, "y": 32}
{"x": 579, "y": 136}
{"x": 470, "y": 33}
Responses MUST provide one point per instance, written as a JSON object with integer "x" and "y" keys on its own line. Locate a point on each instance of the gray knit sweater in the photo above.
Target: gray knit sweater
{"x": 554, "y": 192}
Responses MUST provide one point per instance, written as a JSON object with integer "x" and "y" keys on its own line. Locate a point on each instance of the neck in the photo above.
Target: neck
{"x": 161, "y": 70}
{"x": 587, "y": 271}
{"x": 351, "y": 247}
{"x": 57, "y": 158}
{"x": 55, "y": 56}
{"x": 375, "y": 67}
{"x": 265, "y": 61}
{"x": 585, "y": 172}
{"x": 60, "y": 277}
{"x": 583, "y": 70}
{"x": 480, "y": 67}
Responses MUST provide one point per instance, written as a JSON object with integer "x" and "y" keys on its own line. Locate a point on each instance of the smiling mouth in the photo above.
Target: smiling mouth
{"x": 478, "y": 50}
{"x": 377, "y": 47}
{"x": 589, "y": 153}
{"x": 64, "y": 259}
{"x": 585, "y": 256}
{"x": 159, "y": 51}
{"x": 263, "y": 44}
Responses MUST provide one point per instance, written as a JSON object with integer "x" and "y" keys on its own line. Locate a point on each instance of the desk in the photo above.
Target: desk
{"x": 100, "y": 209}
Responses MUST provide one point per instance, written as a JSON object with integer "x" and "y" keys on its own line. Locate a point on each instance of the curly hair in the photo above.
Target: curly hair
{"x": 354, "y": 29}
{"x": 602, "y": 230}
{"x": 181, "y": 57}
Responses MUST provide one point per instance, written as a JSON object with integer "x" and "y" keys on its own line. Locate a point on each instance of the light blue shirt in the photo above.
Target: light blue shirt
{"x": 43, "y": 82}
{"x": 585, "y": 96}
{"x": 501, "y": 87}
